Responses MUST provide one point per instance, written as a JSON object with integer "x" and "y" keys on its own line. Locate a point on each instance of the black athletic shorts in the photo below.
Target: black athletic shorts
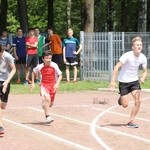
{"x": 125, "y": 88}
{"x": 4, "y": 96}
{"x": 72, "y": 61}
{"x": 21, "y": 60}
{"x": 57, "y": 58}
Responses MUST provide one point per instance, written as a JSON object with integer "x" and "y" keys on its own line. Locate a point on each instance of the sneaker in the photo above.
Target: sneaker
{"x": 48, "y": 120}
{"x": 18, "y": 81}
{"x": 68, "y": 81}
{"x": 1, "y": 130}
{"x": 29, "y": 81}
{"x": 25, "y": 82}
{"x": 37, "y": 81}
{"x": 119, "y": 101}
{"x": 132, "y": 125}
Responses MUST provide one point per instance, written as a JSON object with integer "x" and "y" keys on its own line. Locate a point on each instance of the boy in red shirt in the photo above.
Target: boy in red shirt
{"x": 50, "y": 79}
{"x": 32, "y": 53}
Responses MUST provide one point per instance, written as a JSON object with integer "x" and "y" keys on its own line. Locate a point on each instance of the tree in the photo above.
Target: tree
{"x": 22, "y": 11}
{"x": 109, "y": 15}
{"x": 124, "y": 10}
{"x": 50, "y": 13}
{"x": 3, "y": 15}
{"x": 88, "y": 15}
{"x": 142, "y": 21}
{"x": 69, "y": 14}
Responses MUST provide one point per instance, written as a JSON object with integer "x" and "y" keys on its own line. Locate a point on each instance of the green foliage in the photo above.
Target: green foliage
{"x": 37, "y": 13}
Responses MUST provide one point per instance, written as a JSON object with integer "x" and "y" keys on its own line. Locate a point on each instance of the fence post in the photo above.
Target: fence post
{"x": 110, "y": 54}
{"x": 81, "y": 54}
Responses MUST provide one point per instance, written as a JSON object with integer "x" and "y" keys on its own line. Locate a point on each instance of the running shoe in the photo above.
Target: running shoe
{"x": 1, "y": 130}
{"x": 132, "y": 125}
{"x": 25, "y": 82}
{"x": 48, "y": 120}
{"x": 18, "y": 81}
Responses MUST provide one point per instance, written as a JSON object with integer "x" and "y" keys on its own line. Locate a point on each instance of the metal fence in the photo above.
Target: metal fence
{"x": 102, "y": 50}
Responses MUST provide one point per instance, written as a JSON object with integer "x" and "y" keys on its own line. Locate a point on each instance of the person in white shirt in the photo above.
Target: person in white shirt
{"x": 129, "y": 82}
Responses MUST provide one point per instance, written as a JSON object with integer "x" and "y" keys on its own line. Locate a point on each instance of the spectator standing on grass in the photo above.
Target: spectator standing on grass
{"x": 32, "y": 54}
{"x": 70, "y": 53}
{"x": 19, "y": 52}
{"x": 55, "y": 43}
{"x": 129, "y": 82}
{"x": 4, "y": 40}
{"x": 50, "y": 79}
{"x": 41, "y": 42}
{"x": 7, "y": 71}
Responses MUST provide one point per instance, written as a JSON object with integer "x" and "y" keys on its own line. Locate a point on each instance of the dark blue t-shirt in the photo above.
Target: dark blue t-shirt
{"x": 71, "y": 45}
{"x": 19, "y": 42}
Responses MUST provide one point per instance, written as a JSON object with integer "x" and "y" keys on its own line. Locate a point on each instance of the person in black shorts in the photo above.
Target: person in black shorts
{"x": 70, "y": 53}
{"x": 129, "y": 82}
{"x": 19, "y": 53}
{"x": 7, "y": 71}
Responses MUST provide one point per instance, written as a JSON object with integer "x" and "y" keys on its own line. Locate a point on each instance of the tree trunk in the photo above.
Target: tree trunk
{"x": 69, "y": 14}
{"x": 109, "y": 15}
{"x": 123, "y": 16}
{"x": 87, "y": 15}
{"x": 142, "y": 21}
{"x": 22, "y": 11}
{"x": 3, "y": 15}
{"x": 50, "y": 13}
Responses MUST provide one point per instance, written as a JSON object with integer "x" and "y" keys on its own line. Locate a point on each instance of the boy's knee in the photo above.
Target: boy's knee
{"x": 125, "y": 105}
{"x": 3, "y": 107}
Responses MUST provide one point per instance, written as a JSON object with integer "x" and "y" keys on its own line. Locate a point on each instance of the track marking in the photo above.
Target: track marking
{"x": 120, "y": 114}
{"x": 112, "y": 112}
{"x": 49, "y": 135}
{"x": 89, "y": 124}
{"x": 93, "y": 127}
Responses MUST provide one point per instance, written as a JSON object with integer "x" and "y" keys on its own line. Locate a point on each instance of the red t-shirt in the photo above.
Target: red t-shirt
{"x": 32, "y": 40}
{"x": 49, "y": 74}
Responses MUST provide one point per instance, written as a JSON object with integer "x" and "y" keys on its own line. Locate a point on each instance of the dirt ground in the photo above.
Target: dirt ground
{"x": 78, "y": 123}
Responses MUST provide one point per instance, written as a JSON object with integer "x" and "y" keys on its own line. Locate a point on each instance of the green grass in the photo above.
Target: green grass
{"x": 71, "y": 87}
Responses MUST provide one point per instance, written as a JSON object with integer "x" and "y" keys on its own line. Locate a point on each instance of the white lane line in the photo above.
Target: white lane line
{"x": 89, "y": 124}
{"x": 80, "y": 147}
{"x": 120, "y": 114}
{"x": 60, "y": 116}
{"x": 93, "y": 127}
{"x": 111, "y": 112}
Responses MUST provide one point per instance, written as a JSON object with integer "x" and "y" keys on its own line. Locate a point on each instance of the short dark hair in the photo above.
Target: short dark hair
{"x": 46, "y": 53}
{"x": 50, "y": 28}
{"x": 31, "y": 29}
{"x": 19, "y": 28}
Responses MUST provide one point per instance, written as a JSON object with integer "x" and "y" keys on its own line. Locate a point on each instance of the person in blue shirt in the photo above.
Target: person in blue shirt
{"x": 71, "y": 48}
{"x": 19, "y": 52}
{"x": 4, "y": 40}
